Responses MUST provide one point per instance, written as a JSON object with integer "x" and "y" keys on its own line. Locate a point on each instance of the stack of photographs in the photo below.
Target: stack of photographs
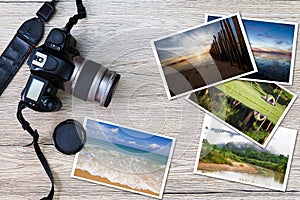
{"x": 252, "y": 109}
{"x": 233, "y": 69}
{"x": 230, "y": 68}
{"x": 192, "y": 60}
{"x": 273, "y": 45}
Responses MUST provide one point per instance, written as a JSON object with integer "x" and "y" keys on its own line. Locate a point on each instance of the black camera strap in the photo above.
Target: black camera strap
{"x": 27, "y": 37}
{"x": 43, "y": 16}
{"x": 19, "y": 48}
{"x": 81, "y": 13}
{"x": 35, "y": 135}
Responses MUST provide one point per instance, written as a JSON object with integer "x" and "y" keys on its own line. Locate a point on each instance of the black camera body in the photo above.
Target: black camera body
{"x": 54, "y": 59}
{"x": 51, "y": 65}
{"x": 57, "y": 64}
{"x": 40, "y": 95}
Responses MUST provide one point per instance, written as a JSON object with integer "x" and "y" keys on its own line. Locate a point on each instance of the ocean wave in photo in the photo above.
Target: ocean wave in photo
{"x": 128, "y": 166}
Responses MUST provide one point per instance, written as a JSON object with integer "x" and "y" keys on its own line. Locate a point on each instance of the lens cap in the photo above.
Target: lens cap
{"x": 69, "y": 137}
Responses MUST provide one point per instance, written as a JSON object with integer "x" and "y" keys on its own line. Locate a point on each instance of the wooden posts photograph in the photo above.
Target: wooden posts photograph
{"x": 204, "y": 56}
{"x": 273, "y": 44}
{"x": 229, "y": 48}
{"x": 251, "y": 108}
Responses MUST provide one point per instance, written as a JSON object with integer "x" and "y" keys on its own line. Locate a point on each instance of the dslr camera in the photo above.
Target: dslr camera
{"x": 57, "y": 64}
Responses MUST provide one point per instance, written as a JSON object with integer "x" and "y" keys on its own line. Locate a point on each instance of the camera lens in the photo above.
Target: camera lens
{"x": 91, "y": 81}
{"x": 107, "y": 88}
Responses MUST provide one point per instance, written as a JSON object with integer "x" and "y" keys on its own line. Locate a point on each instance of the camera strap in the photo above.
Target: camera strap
{"x": 27, "y": 37}
{"x": 33, "y": 37}
{"x": 81, "y": 13}
{"x": 35, "y": 135}
{"x": 19, "y": 48}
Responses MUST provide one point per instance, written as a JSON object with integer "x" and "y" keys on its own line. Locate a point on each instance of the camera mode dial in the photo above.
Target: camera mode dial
{"x": 56, "y": 39}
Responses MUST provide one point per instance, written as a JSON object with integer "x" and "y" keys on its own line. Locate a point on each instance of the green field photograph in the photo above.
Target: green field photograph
{"x": 251, "y": 108}
{"x": 225, "y": 154}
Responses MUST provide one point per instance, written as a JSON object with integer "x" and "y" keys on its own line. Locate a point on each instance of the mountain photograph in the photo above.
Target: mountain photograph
{"x": 226, "y": 154}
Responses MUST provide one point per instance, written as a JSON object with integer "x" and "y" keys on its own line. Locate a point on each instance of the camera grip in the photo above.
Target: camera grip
{"x": 27, "y": 36}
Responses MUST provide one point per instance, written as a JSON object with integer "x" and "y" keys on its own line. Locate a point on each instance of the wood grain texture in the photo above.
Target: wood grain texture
{"x": 117, "y": 34}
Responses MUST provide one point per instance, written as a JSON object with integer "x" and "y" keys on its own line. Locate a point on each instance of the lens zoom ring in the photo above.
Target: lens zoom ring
{"x": 85, "y": 80}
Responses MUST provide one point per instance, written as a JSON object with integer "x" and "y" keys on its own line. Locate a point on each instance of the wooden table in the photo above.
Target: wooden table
{"x": 117, "y": 34}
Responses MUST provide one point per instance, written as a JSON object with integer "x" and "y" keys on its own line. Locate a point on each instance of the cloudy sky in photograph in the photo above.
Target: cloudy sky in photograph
{"x": 128, "y": 137}
{"x": 217, "y": 133}
{"x": 268, "y": 37}
{"x": 197, "y": 40}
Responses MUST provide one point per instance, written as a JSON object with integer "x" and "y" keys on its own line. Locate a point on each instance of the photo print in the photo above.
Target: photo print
{"x": 124, "y": 158}
{"x": 253, "y": 109}
{"x": 203, "y": 56}
{"x": 273, "y": 44}
{"x": 225, "y": 154}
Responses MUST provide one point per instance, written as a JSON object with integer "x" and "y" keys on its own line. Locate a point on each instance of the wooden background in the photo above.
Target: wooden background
{"x": 117, "y": 34}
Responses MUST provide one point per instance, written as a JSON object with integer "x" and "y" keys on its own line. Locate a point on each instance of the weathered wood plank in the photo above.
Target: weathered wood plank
{"x": 22, "y": 176}
{"x": 117, "y": 34}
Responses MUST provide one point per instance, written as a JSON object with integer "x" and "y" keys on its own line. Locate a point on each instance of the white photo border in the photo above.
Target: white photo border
{"x": 167, "y": 168}
{"x": 152, "y": 42}
{"x": 287, "y": 173}
{"x": 294, "y": 47}
{"x": 238, "y": 131}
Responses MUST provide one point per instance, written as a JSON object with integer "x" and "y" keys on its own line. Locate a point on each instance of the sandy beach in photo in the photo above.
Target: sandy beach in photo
{"x": 235, "y": 167}
{"x": 124, "y": 158}
{"x": 202, "y": 56}
{"x": 86, "y": 175}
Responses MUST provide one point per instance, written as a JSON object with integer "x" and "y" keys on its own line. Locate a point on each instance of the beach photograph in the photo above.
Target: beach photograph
{"x": 225, "y": 154}
{"x": 273, "y": 44}
{"x": 253, "y": 109}
{"x": 124, "y": 158}
{"x": 202, "y": 56}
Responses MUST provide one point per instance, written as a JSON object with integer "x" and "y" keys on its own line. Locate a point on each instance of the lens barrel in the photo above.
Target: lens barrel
{"x": 91, "y": 81}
